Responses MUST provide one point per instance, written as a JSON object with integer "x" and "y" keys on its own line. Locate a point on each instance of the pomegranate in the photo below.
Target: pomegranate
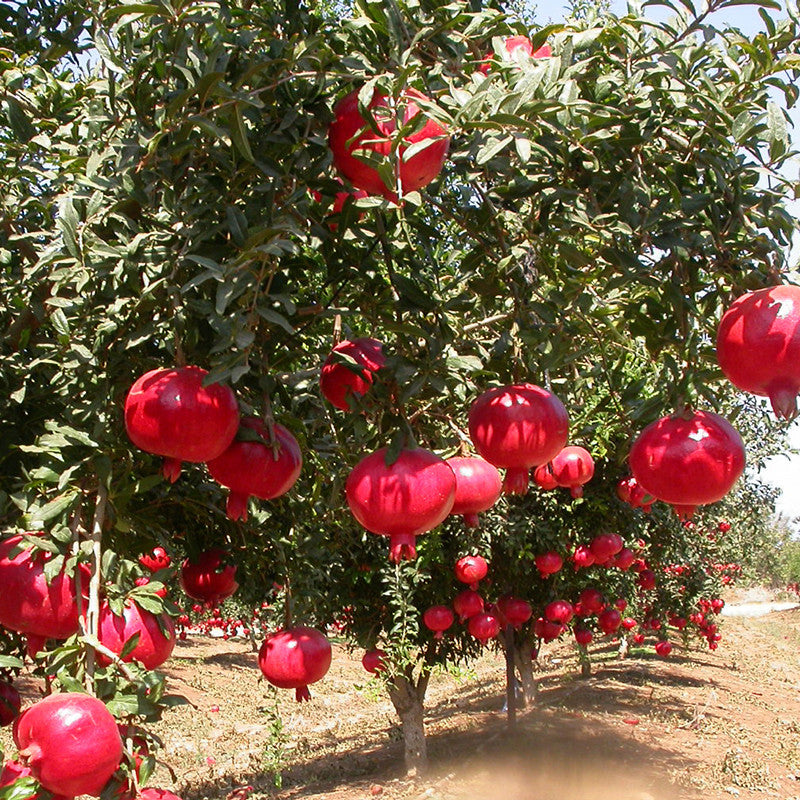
{"x": 605, "y": 546}
{"x": 350, "y": 134}
{"x": 572, "y": 468}
{"x": 339, "y": 202}
{"x": 70, "y": 742}
{"x": 758, "y": 346}
{"x": 256, "y": 467}
{"x": 438, "y": 619}
{"x": 547, "y": 629}
{"x": 478, "y": 485}
{"x": 548, "y": 563}
{"x": 516, "y": 48}
{"x": 591, "y": 601}
{"x": 543, "y": 477}
{"x": 9, "y": 703}
{"x": 340, "y": 382}
{"x": 151, "y": 793}
{"x": 646, "y": 579}
{"x": 583, "y": 636}
{"x": 514, "y": 611}
{"x": 374, "y": 661}
{"x": 518, "y": 427}
{"x": 624, "y": 559}
{"x": 629, "y": 623}
{"x": 582, "y": 557}
{"x": 156, "y": 634}
{"x": 168, "y": 412}
{"x": 156, "y": 560}
{"x": 13, "y": 771}
{"x": 471, "y": 569}
{"x": 28, "y": 604}
{"x": 467, "y": 604}
{"x": 559, "y": 611}
{"x": 210, "y": 578}
{"x": 663, "y": 648}
{"x": 484, "y": 626}
{"x": 403, "y": 499}
{"x": 688, "y": 461}
{"x": 294, "y": 658}
{"x": 724, "y": 527}
{"x": 621, "y": 604}
{"x": 609, "y": 620}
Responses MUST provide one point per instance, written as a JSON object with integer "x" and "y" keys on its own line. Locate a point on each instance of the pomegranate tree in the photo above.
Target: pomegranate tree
{"x": 156, "y": 634}
{"x": 471, "y": 570}
{"x": 350, "y": 135}
{"x": 478, "y": 485}
{"x": 688, "y": 460}
{"x": 518, "y": 427}
{"x": 70, "y": 742}
{"x": 758, "y": 346}
{"x": 401, "y": 499}
{"x": 170, "y": 413}
{"x": 294, "y": 658}
{"x": 348, "y": 371}
{"x": 210, "y": 577}
{"x": 572, "y": 468}
{"x": 258, "y": 467}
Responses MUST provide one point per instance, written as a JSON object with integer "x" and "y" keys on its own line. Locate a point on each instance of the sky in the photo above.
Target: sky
{"x": 781, "y": 471}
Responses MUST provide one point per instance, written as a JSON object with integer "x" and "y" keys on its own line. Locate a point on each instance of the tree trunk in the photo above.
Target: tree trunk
{"x": 624, "y": 644}
{"x": 511, "y": 679}
{"x": 407, "y": 699}
{"x": 583, "y": 658}
{"x": 524, "y": 664}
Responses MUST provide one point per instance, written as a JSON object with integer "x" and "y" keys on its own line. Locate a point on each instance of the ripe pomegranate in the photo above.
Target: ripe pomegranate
{"x": 591, "y": 601}
{"x": 438, "y": 619}
{"x": 256, "y": 467}
{"x": 28, "y": 604}
{"x": 543, "y": 477}
{"x": 688, "y": 461}
{"x": 559, "y": 611}
{"x": 516, "y": 48}
{"x": 724, "y": 527}
{"x": 156, "y": 560}
{"x": 609, "y": 620}
{"x": 583, "y": 636}
{"x": 471, "y": 569}
{"x": 572, "y": 468}
{"x": 514, "y": 611}
{"x": 484, "y": 626}
{"x": 151, "y": 793}
{"x": 156, "y": 634}
{"x": 605, "y": 546}
{"x": 629, "y": 623}
{"x": 403, "y": 499}
{"x": 646, "y": 579}
{"x": 548, "y": 563}
{"x": 758, "y": 346}
{"x": 467, "y": 604}
{"x": 350, "y": 134}
{"x": 518, "y": 427}
{"x": 582, "y": 557}
{"x": 70, "y": 742}
{"x": 548, "y": 629}
{"x": 13, "y": 771}
{"x": 478, "y": 485}
{"x": 374, "y": 661}
{"x": 210, "y": 578}
{"x": 9, "y": 703}
{"x": 340, "y": 380}
{"x": 624, "y": 559}
{"x": 170, "y": 413}
{"x": 663, "y": 648}
{"x": 294, "y": 658}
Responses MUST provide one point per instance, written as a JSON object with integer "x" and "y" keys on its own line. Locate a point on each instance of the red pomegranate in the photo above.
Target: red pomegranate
{"x": 348, "y": 371}
{"x": 605, "y": 546}
{"x": 629, "y": 623}
{"x": 547, "y": 629}
{"x": 518, "y": 427}
{"x": 478, "y": 485}
{"x": 514, "y": 611}
{"x": 559, "y": 611}
{"x": 663, "y": 648}
{"x": 688, "y": 461}
{"x": 151, "y": 793}
{"x": 591, "y": 601}
{"x": 438, "y": 619}
{"x": 548, "y": 563}
{"x": 156, "y": 634}
{"x": 516, "y": 48}
{"x": 156, "y": 560}
{"x": 758, "y": 346}
{"x": 256, "y": 467}
{"x": 624, "y": 559}
{"x": 28, "y": 604}
{"x": 572, "y": 468}
{"x": 294, "y": 658}
{"x": 209, "y": 578}
{"x": 583, "y": 636}
{"x": 646, "y": 579}
{"x": 484, "y": 626}
{"x": 339, "y": 202}
{"x": 10, "y": 703}
{"x": 13, "y": 771}
{"x": 582, "y": 557}
{"x": 170, "y": 413}
{"x": 374, "y": 661}
{"x": 629, "y": 491}
{"x": 403, "y": 499}
{"x": 543, "y": 477}
{"x": 609, "y": 620}
{"x": 467, "y": 604}
{"x": 70, "y": 742}
{"x": 351, "y": 135}
{"x": 471, "y": 569}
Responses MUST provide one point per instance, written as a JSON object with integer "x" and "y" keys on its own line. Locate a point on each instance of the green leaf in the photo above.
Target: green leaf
{"x": 10, "y": 662}
{"x": 18, "y": 119}
{"x": 239, "y": 134}
{"x": 54, "y": 508}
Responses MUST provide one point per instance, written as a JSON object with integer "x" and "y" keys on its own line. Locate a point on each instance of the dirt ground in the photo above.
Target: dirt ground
{"x": 699, "y": 724}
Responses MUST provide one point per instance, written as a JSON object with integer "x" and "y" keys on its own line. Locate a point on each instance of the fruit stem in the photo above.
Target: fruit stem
{"x": 302, "y": 694}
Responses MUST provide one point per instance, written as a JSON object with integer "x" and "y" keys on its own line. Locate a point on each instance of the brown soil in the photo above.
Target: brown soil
{"x": 698, "y": 724}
